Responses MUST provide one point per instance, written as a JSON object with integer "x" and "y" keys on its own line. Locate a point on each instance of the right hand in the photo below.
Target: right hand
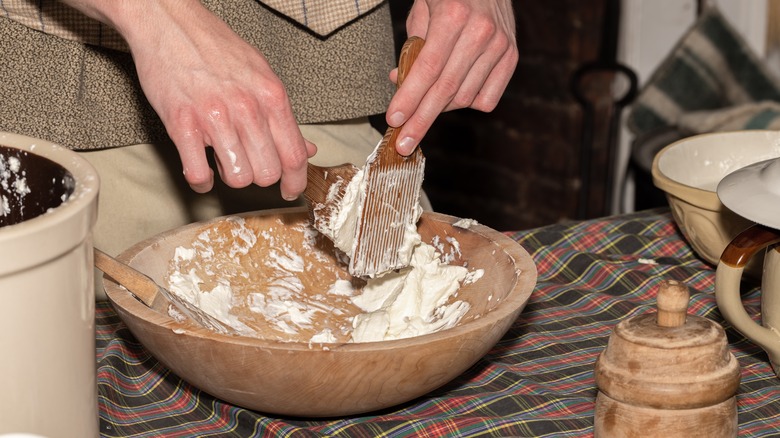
{"x": 469, "y": 57}
{"x": 211, "y": 88}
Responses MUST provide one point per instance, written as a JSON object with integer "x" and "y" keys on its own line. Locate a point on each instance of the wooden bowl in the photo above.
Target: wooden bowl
{"x": 297, "y": 379}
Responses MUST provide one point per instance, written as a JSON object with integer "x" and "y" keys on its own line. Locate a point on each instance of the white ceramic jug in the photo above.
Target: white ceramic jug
{"x": 743, "y": 247}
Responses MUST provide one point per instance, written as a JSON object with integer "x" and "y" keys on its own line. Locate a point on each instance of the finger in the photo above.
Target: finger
{"x": 488, "y": 77}
{"x": 261, "y": 151}
{"x": 394, "y": 75}
{"x": 291, "y": 149}
{"x": 195, "y": 166}
{"x": 418, "y": 19}
{"x": 311, "y": 148}
{"x": 293, "y": 152}
{"x": 470, "y": 87}
{"x": 422, "y": 75}
{"x": 233, "y": 163}
{"x": 497, "y": 82}
{"x": 293, "y": 181}
{"x": 441, "y": 93}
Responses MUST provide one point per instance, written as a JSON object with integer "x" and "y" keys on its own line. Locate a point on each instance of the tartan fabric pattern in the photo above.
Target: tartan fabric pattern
{"x": 710, "y": 73}
{"x": 536, "y": 382}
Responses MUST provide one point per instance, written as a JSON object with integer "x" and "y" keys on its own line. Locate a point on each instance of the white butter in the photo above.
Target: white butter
{"x": 5, "y": 208}
{"x": 215, "y": 302}
{"x": 411, "y": 302}
{"x": 342, "y": 288}
{"x": 342, "y": 223}
{"x": 323, "y": 337}
{"x": 465, "y": 223}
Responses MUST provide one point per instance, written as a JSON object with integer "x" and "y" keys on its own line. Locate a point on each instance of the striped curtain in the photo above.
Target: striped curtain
{"x": 712, "y": 80}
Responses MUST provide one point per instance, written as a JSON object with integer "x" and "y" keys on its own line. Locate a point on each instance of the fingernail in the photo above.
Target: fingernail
{"x": 406, "y": 145}
{"x": 396, "y": 119}
{"x": 201, "y": 188}
{"x": 288, "y": 197}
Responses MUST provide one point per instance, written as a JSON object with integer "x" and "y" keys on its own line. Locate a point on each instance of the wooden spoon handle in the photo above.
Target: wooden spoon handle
{"x": 143, "y": 287}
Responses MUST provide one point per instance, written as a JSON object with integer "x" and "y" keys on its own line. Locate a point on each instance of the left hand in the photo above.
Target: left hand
{"x": 469, "y": 56}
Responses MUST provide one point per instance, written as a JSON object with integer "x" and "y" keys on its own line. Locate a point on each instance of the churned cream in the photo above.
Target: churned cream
{"x": 284, "y": 281}
{"x": 340, "y": 225}
{"x": 411, "y": 302}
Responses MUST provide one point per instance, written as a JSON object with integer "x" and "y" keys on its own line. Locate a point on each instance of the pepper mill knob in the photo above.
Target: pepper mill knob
{"x": 667, "y": 374}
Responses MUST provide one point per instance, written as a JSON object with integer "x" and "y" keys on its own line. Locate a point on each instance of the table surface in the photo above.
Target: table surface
{"x": 536, "y": 382}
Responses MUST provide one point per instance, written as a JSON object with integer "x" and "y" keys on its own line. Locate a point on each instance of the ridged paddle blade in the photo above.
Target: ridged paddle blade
{"x": 391, "y": 210}
{"x": 391, "y": 206}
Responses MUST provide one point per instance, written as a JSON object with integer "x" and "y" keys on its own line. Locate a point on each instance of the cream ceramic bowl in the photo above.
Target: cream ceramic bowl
{"x": 298, "y": 379}
{"x": 689, "y": 171}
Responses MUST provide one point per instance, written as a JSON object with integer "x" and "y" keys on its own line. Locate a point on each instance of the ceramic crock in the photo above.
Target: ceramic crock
{"x": 48, "y": 207}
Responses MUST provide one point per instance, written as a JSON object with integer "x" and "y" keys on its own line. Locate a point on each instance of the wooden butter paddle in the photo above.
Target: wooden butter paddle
{"x": 392, "y": 194}
{"x": 392, "y": 198}
{"x": 321, "y": 204}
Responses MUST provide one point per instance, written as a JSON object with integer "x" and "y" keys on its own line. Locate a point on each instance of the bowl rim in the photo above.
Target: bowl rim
{"x": 707, "y": 199}
{"x": 514, "y": 302}
{"x": 65, "y": 226}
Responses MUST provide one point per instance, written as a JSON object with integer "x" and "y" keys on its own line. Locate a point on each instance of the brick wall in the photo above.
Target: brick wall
{"x": 518, "y": 167}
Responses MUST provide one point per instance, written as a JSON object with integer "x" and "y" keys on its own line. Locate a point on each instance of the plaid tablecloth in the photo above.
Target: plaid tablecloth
{"x": 536, "y": 382}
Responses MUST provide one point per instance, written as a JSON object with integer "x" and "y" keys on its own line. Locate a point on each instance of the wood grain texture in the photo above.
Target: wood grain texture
{"x": 295, "y": 378}
{"x": 667, "y": 374}
{"x": 143, "y": 287}
{"x": 320, "y": 182}
{"x": 392, "y": 195}
{"x": 615, "y": 419}
{"x": 673, "y": 298}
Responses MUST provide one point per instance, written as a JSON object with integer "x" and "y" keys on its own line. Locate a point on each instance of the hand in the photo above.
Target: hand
{"x": 211, "y": 88}
{"x": 469, "y": 57}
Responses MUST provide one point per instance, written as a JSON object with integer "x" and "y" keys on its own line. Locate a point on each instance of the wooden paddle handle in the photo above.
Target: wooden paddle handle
{"x": 143, "y": 287}
{"x": 409, "y": 52}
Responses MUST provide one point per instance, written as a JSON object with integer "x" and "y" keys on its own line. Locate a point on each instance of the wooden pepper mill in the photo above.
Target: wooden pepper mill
{"x": 667, "y": 374}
